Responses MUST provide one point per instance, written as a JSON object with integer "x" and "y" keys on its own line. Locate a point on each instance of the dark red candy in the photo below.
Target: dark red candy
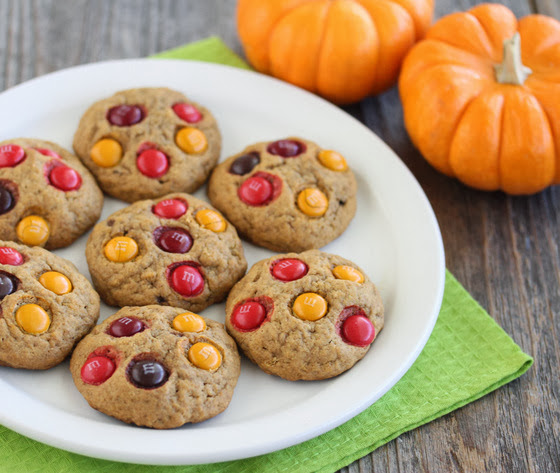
{"x": 65, "y": 178}
{"x": 125, "y": 115}
{"x": 248, "y": 316}
{"x": 244, "y": 164}
{"x": 289, "y": 269}
{"x": 170, "y": 208}
{"x": 11, "y": 155}
{"x": 255, "y": 191}
{"x": 7, "y": 200}
{"x": 286, "y": 148}
{"x": 97, "y": 369}
{"x": 147, "y": 373}
{"x": 48, "y": 152}
{"x": 10, "y": 256}
{"x": 187, "y": 112}
{"x": 187, "y": 280}
{"x": 174, "y": 240}
{"x": 152, "y": 163}
{"x": 126, "y": 327}
{"x": 358, "y": 330}
{"x": 8, "y": 284}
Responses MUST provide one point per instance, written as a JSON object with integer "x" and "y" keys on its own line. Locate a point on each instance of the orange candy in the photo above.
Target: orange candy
{"x": 56, "y": 282}
{"x": 33, "y": 319}
{"x": 310, "y": 306}
{"x": 348, "y": 273}
{"x": 205, "y": 356}
{"x": 189, "y": 322}
{"x": 312, "y": 202}
{"x": 121, "y": 249}
{"x": 332, "y": 160}
{"x": 106, "y": 153}
{"x": 191, "y": 140}
{"x": 33, "y": 230}
{"x": 211, "y": 220}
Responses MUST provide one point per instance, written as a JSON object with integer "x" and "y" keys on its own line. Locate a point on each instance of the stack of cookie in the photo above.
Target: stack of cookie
{"x": 302, "y": 315}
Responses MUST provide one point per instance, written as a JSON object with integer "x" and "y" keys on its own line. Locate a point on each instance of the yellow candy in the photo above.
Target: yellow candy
{"x": 56, "y": 282}
{"x": 191, "y": 140}
{"x": 348, "y": 273}
{"x": 33, "y": 319}
{"x": 211, "y": 220}
{"x": 310, "y": 306}
{"x": 312, "y": 202}
{"x": 106, "y": 152}
{"x": 189, "y": 322}
{"x": 205, "y": 356}
{"x": 121, "y": 249}
{"x": 332, "y": 160}
{"x": 33, "y": 230}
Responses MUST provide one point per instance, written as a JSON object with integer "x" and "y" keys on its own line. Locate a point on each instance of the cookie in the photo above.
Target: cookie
{"x": 145, "y": 143}
{"x": 46, "y": 306}
{"x": 306, "y": 316}
{"x": 47, "y": 197}
{"x": 157, "y": 366}
{"x": 286, "y": 195}
{"x": 177, "y": 250}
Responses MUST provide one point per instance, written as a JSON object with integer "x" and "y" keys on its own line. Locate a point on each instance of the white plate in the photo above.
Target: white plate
{"x": 394, "y": 238}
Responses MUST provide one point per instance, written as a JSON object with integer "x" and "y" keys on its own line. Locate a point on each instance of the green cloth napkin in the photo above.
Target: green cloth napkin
{"x": 467, "y": 356}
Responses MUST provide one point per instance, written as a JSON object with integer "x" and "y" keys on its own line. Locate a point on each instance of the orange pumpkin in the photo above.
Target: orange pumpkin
{"x": 343, "y": 50}
{"x": 481, "y": 99}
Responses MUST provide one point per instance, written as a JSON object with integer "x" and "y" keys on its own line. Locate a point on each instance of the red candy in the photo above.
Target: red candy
{"x": 170, "y": 208}
{"x": 248, "y": 316}
{"x": 125, "y": 115}
{"x": 10, "y": 256}
{"x": 358, "y": 330}
{"x": 255, "y": 191}
{"x": 152, "y": 163}
{"x": 97, "y": 369}
{"x": 11, "y": 155}
{"x": 126, "y": 327}
{"x": 173, "y": 240}
{"x": 288, "y": 269}
{"x": 48, "y": 152}
{"x": 187, "y": 112}
{"x": 286, "y": 148}
{"x": 186, "y": 280}
{"x": 65, "y": 178}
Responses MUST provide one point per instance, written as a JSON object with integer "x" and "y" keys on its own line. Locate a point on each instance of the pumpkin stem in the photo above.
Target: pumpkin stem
{"x": 512, "y": 70}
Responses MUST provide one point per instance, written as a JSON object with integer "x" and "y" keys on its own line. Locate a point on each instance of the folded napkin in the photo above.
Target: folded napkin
{"x": 467, "y": 356}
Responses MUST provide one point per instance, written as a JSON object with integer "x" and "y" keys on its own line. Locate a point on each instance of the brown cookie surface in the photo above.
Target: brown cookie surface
{"x": 46, "y": 307}
{"x": 47, "y": 197}
{"x": 177, "y": 250}
{"x": 305, "y": 316}
{"x": 148, "y": 142}
{"x": 287, "y": 195}
{"x": 157, "y": 366}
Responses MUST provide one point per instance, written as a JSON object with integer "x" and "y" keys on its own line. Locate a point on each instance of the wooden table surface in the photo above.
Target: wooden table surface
{"x": 503, "y": 249}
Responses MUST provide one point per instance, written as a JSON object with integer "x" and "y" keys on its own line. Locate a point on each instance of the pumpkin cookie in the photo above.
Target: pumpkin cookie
{"x": 145, "y": 143}
{"x": 304, "y": 316}
{"x": 47, "y": 197}
{"x": 157, "y": 366}
{"x": 177, "y": 250}
{"x": 286, "y": 195}
{"x": 46, "y": 306}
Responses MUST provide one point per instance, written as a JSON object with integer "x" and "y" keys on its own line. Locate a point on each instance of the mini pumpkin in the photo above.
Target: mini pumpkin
{"x": 343, "y": 50}
{"x": 481, "y": 99}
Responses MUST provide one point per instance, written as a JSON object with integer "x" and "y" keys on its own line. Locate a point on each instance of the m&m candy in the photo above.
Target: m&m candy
{"x": 170, "y": 208}
{"x": 56, "y": 282}
{"x": 147, "y": 373}
{"x": 286, "y": 148}
{"x": 106, "y": 153}
{"x": 186, "y": 280}
{"x": 126, "y": 327}
{"x": 310, "y": 306}
{"x": 289, "y": 269}
{"x": 205, "y": 356}
{"x": 97, "y": 369}
{"x": 10, "y": 256}
{"x": 248, "y": 316}
{"x": 191, "y": 140}
{"x": 121, "y": 249}
{"x": 33, "y": 230}
{"x": 33, "y": 319}
{"x": 187, "y": 112}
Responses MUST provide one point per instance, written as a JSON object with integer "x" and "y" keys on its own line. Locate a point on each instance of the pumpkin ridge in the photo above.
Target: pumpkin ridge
{"x": 321, "y": 46}
{"x": 278, "y": 20}
{"x": 553, "y": 134}
{"x": 478, "y": 58}
{"x": 483, "y": 28}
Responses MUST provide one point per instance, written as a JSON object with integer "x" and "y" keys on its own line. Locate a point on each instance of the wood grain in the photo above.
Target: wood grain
{"x": 504, "y": 250}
